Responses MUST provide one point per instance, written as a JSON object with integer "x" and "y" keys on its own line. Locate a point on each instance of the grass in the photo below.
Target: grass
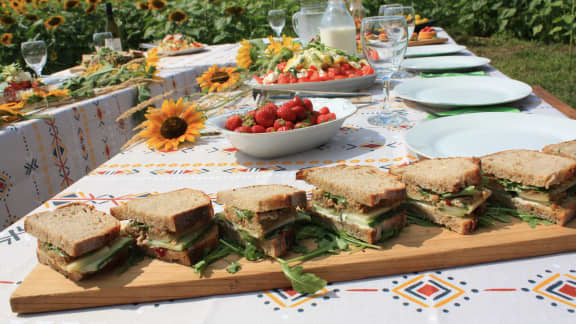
{"x": 535, "y": 63}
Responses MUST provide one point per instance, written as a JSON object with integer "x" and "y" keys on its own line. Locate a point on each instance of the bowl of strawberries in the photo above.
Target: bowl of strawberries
{"x": 278, "y": 129}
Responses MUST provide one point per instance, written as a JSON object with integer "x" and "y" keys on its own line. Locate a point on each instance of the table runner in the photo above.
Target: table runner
{"x": 539, "y": 289}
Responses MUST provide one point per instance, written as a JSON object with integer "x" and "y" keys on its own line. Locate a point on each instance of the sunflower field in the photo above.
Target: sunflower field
{"x": 68, "y": 25}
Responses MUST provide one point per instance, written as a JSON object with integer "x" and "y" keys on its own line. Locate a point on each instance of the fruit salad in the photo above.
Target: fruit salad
{"x": 293, "y": 114}
{"x": 177, "y": 42}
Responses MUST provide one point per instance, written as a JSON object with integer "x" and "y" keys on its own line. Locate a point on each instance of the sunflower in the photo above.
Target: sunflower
{"x": 69, "y": 4}
{"x": 59, "y": 92}
{"x": 142, "y": 5}
{"x": 157, "y": 4}
{"x": 152, "y": 58}
{"x": 54, "y": 21}
{"x": 6, "y": 39}
{"x": 217, "y": 79}
{"x": 11, "y": 109}
{"x": 7, "y": 21}
{"x": 178, "y": 16}
{"x": 16, "y": 5}
{"x": 243, "y": 59}
{"x": 276, "y": 47}
{"x": 93, "y": 2}
{"x": 91, "y": 9}
{"x": 171, "y": 125}
{"x": 32, "y": 17}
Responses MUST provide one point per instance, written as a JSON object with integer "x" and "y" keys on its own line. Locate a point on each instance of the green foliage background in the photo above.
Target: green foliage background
{"x": 226, "y": 21}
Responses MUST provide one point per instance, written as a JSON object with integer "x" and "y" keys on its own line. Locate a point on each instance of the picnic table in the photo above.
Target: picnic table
{"x": 540, "y": 289}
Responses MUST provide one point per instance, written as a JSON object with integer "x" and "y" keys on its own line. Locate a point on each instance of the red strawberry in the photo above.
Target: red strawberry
{"x": 323, "y": 118}
{"x": 289, "y": 124}
{"x": 258, "y": 129}
{"x": 307, "y": 104}
{"x": 243, "y": 129}
{"x": 286, "y": 113}
{"x": 297, "y": 101}
{"x": 270, "y": 130}
{"x": 265, "y": 116}
{"x": 332, "y": 116}
{"x": 269, "y": 105}
{"x": 301, "y": 125}
{"x": 300, "y": 112}
{"x": 252, "y": 113}
{"x": 279, "y": 123}
{"x": 288, "y": 104}
{"x": 283, "y": 129}
{"x": 324, "y": 110}
{"x": 233, "y": 122}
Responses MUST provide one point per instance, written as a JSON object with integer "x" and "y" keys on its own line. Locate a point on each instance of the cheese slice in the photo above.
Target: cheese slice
{"x": 96, "y": 260}
{"x": 183, "y": 243}
{"x": 362, "y": 220}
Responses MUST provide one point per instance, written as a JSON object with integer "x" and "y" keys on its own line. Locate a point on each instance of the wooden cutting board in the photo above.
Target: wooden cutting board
{"x": 428, "y": 42}
{"x": 415, "y": 249}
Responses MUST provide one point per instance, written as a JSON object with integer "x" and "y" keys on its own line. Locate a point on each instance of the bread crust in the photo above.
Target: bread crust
{"x": 442, "y": 175}
{"x": 188, "y": 206}
{"x": 461, "y": 225}
{"x": 566, "y": 149}
{"x": 531, "y": 168}
{"x": 365, "y": 184}
{"x": 263, "y": 198}
{"x": 59, "y": 264}
{"x": 76, "y": 228}
{"x": 188, "y": 257}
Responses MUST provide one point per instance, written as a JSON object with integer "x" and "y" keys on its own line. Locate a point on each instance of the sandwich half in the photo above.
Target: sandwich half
{"x": 541, "y": 184}
{"x": 262, "y": 215}
{"x": 446, "y": 191}
{"x": 362, "y": 201}
{"x": 77, "y": 240}
{"x": 567, "y": 149}
{"x": 175, "y": 226}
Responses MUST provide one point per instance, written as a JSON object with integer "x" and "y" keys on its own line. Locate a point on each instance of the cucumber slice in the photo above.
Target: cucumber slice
{"x": 96, "y": 260}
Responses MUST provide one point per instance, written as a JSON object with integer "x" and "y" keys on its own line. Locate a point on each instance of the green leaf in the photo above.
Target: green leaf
{"x": 243, "y": 213}
{"x": 234, "y": 267}
{"x": 304, "y": 283}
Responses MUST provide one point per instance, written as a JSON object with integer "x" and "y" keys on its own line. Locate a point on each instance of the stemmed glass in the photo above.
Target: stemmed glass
{"x": 34, "y": 54}
{"x": 408, "y": 14}
{"x": 383, "y": 7}
{"x": 100, "y": 39}
{"x": 277, "y": 20}
{"x": 384, "y": 41}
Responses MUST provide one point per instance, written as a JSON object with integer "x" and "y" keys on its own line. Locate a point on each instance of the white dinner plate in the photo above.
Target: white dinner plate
{"x": 348, "y": 85}
{"x": 191, "y": 50}
{"x": 433, "y": 50}
{"x": 268, "y": 145}
{"x": 444, "y": 63}
{"x": 463, "y": 91}
{"x": 486, "y": 133}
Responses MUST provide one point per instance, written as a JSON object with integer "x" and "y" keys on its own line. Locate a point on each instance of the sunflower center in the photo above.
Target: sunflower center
{"x": 173, "y": 127}
{"x": 220, "y": 77}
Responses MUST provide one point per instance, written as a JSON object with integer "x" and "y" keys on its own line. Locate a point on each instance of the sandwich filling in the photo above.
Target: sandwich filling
{"x": 541, "y": 195}
{"x": 349, "y": 211}
{"x": 146, "y": 235}
{"x": 90, "y": 262}
{"x": 458, "y": 204}
{"x": 258, "y": 224}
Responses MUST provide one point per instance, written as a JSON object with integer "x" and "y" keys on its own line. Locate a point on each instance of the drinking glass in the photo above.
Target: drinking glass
{"x": 383, "y": 7}
{"x": 100, "y": 39}
{"x": 277, "y": 20}
{"x": 34, "y": 54}
{"x": 408, "y": 14}
{"x": 384, "y": 40}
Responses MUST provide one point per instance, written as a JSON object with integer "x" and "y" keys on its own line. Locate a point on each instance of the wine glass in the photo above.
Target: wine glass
{"x": 384, "y": 40}
{"x": 383, "y": 7}
{"x": 408, "y": 13}
{"x": 34, "y": 54}
{"x": 100, "y": 39}
{"x": 277, "y": 20}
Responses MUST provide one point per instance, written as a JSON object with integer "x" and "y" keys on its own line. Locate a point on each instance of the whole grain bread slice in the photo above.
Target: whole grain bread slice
{"x": 75, "y": 228}
{"x": 442, "y": 175}
{"x": 531, "y": 168}
{"x": 263, "y": 198}
{"x": 275, "y": 246}
{"x": 461, "y": 225}
{"x": 173, "y": 211}
{"x": 567, "y": 149}
{"x": 367, "y": 185}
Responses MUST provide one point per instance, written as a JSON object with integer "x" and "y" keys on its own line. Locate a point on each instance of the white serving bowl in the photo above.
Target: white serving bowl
{"x": 268, "y": 145}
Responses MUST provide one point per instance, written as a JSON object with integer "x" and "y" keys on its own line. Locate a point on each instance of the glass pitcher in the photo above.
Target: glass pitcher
{"x": 307, "y": 21}
{"x": 337, "y": 29}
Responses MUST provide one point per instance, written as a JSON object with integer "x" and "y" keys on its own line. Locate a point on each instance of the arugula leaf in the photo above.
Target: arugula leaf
{"x": 389, "y": 234}
{"x": 341, "y": 200}
{"x": 243, "y": 213}
{"x": 221, "y": 251}
{"x": 503, "y": 215}
{"x": 55, "y": 248}
{"x": 485, "y": 221}
{"x": 299, "y": 249}
{"x": 468, "y": 191}
{"x": 135, "y": 256}
{"x": 356, "y": 242}
{"x": 304, "y": 283}
{"x": 234, "y": 267}
{"x": 515, "y": 186}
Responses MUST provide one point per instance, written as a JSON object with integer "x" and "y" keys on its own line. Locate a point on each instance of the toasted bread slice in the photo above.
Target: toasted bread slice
{"x": 173, "y": 211}
{"x": 274, "y": 246}
{"x": 442, "y": 175}
{"x": 263, "y": 198}
{"x": 530, "y": 168}
{"x": 370, "y": 235}
{"x": 365, "y": 184}
{"x": 460, "y": 225}
{"x": 59, "y": 264}
{"x": 567, "y": 149}
{"x": 189, "y": 257}
{"x": 559, "y": 214}
{"x": 75, "y": 228}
